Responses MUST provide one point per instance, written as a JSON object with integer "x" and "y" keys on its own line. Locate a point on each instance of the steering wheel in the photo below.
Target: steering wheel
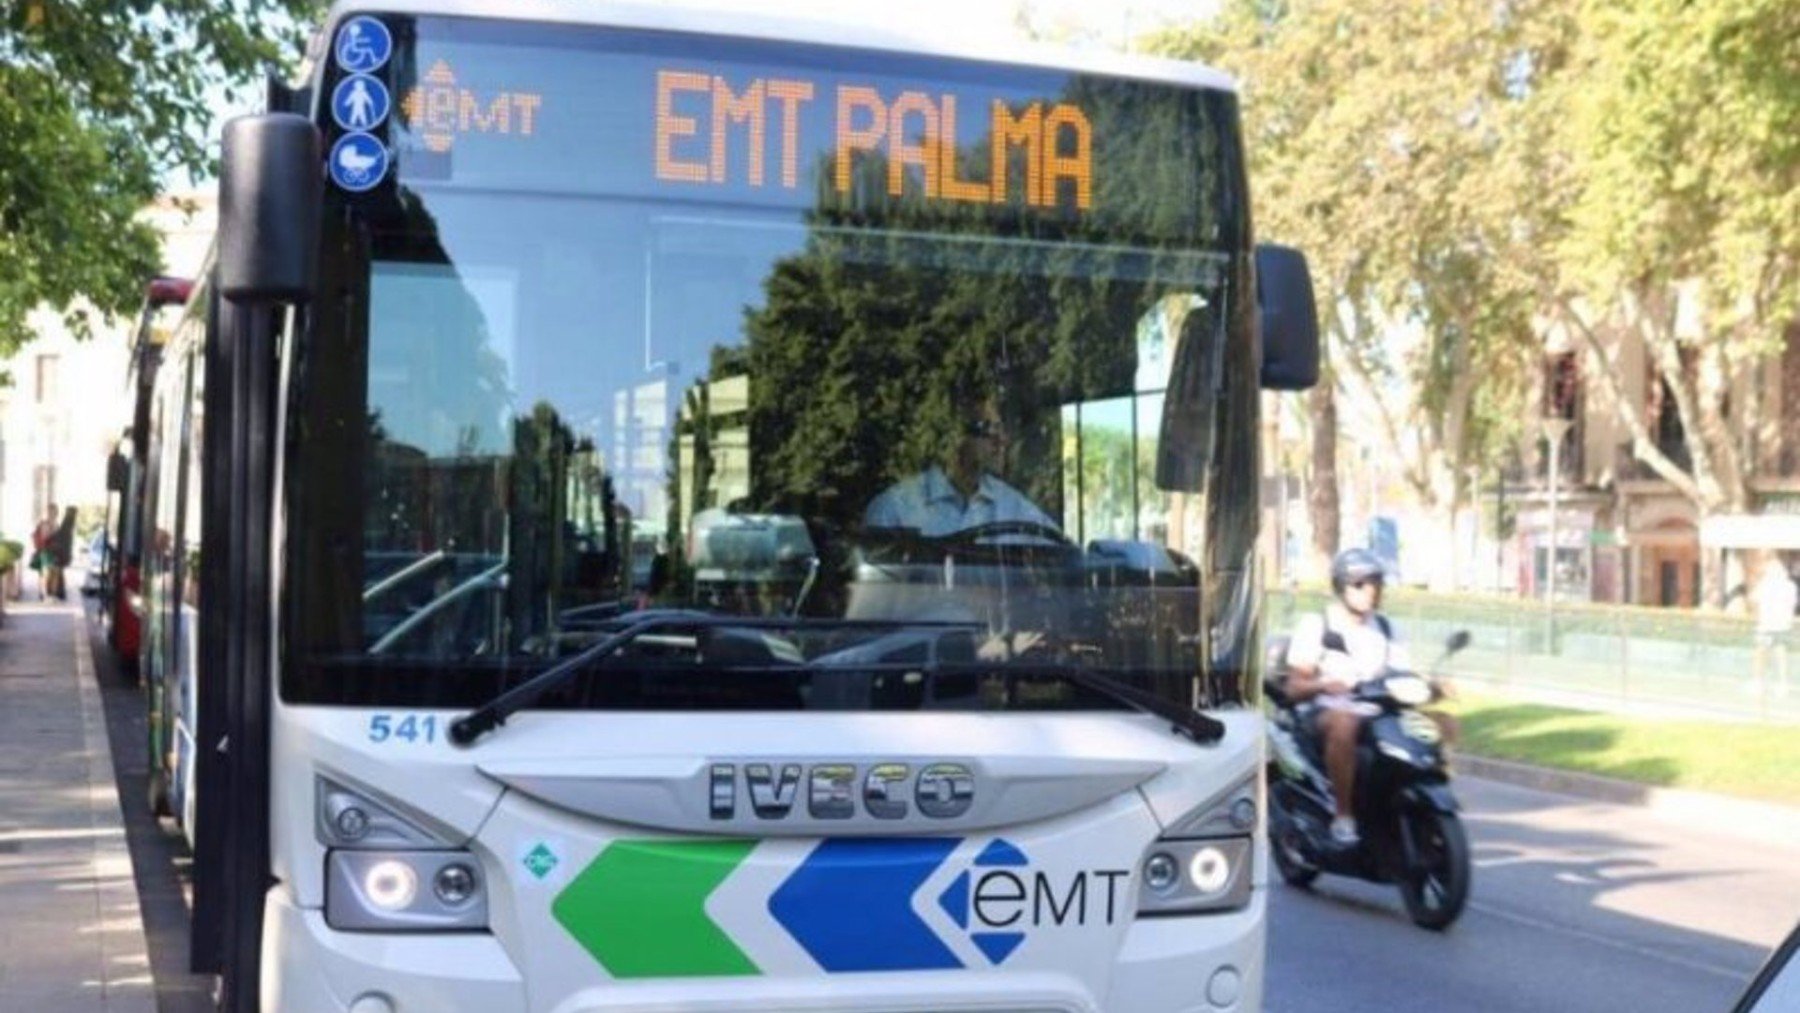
{"x": 998, "y": 529}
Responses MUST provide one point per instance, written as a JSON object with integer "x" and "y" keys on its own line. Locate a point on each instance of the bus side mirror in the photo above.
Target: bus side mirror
{"x": 1290, "y": 319}
{"x": 118, "y": 472}
{"x": 271, "y": 181}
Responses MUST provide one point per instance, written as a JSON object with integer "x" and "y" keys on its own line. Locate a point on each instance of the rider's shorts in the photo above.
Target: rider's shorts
{"x": 1341, "y": 702}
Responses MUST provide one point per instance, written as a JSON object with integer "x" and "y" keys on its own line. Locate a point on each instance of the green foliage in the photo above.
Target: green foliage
{"x": 1681, "y": 201}
{"x": 1382, "y": 142}
{"x": 100, "y": 100}
{"x": 874, "y": 354}
{"x": 888, "y": 345}
{"x": 1685, "y": 131}
{"x": 10, "y": 554}
{"x": 1761, "y": 763}
{"x": 1490, "y": 173}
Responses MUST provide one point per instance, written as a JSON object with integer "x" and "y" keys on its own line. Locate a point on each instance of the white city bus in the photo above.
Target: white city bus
{"x": 702, "y": 513}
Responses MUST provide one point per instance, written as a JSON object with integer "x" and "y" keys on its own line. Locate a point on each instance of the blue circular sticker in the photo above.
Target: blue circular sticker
{"x": 363, "y": 44}
{"x": 359, "y": 102}
{"x": 358, "y": 162}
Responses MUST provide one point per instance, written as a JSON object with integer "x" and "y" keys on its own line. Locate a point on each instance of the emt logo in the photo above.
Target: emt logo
{"x": 1002, "y": 897}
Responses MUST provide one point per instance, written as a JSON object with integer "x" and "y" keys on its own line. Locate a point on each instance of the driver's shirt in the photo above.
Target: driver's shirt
{"x": 930, "y": 504}
{"x": 1368, "y": 651}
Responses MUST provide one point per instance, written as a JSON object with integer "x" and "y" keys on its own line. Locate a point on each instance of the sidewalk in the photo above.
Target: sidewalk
{"x": 1751, "y": 819}
{"x": 71, "y": 935}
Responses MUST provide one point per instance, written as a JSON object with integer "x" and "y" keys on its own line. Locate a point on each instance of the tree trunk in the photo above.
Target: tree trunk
{"x": 1322, "y": 498}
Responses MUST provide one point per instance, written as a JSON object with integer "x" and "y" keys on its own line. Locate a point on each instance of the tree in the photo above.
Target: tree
{"x": 885, "y": 346}
{"x": 1680, "y": 223}
{"x": 100, "y": 100}
{"x": 1378, "y": 137}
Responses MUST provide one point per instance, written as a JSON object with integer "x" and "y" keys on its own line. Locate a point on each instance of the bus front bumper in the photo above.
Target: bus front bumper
{"x": 1211, "y": 964}
{"x": 309, "y": 967}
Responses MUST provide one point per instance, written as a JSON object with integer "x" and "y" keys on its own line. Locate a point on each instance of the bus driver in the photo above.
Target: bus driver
{"x": 942, "y": 501}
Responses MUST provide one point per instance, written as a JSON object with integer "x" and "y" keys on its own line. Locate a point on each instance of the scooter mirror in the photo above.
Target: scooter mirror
{"x": 1458, "y": 640}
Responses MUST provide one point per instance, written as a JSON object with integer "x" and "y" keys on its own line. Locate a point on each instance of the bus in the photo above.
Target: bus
{"x": 121, "y": 603}
{"x": 684, "y": 511}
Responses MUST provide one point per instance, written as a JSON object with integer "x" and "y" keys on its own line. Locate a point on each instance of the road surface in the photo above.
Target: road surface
{"x": 1578, "y": 907}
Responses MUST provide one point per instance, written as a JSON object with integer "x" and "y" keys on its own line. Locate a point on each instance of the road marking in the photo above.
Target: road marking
{"x": 1595, "y": 937}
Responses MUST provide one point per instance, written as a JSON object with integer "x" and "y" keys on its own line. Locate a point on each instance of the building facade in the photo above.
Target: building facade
{"x": 1620, "y": 532}
{"x": 66, "y": 405}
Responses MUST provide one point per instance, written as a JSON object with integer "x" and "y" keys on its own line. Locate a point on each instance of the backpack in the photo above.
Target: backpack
{"x": 1381, "y": 623}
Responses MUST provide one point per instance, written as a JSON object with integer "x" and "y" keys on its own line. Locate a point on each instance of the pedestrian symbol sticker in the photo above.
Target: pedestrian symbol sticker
{"x": 360, "y": 102}
{"x": 363, "y": 44}
{"x": 358, "y": 162}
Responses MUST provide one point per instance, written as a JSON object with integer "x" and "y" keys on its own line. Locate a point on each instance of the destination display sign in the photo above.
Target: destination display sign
{"x": 701, "y": 117}
{"x": 866, "y": 135}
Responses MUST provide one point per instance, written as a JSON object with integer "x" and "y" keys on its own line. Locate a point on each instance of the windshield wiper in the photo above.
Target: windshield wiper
{"x": 471, "y": 726}
{"x": 1186, "y": 721}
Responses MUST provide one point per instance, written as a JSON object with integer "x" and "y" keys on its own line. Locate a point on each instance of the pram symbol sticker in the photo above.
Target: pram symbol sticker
{"x": 358, "y": 162}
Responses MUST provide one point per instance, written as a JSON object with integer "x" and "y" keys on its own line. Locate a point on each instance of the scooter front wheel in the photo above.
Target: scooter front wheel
{"x": 1284, "y": 847}
{"x": 1437, "y": 886}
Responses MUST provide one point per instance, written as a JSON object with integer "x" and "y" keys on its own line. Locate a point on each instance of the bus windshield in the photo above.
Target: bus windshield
{"x": 913, "y": 350}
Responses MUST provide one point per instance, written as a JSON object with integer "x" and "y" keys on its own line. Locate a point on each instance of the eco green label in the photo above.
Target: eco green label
{"x": 539, "y": 861}
{"x": 640, "y": 909}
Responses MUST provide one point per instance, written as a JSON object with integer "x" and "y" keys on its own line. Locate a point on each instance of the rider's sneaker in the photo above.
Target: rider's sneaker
{"x": 1343, "y": 832}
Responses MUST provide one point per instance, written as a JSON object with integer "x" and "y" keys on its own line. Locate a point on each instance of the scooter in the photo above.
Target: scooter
{"x": 1410, "y": 832}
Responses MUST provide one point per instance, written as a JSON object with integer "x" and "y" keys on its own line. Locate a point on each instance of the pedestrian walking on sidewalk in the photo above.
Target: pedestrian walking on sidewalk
{"x": 62, "y": 552}
{"x": 42, "y": 560}
{"x": 1775, "y": 598}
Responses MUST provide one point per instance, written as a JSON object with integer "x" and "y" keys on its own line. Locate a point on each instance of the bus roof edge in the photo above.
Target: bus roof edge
{"x": 707, "y": 21}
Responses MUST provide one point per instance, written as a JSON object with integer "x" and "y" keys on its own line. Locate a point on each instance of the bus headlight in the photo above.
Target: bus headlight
{"x": 1209, "y": 870}
{"x": 1236, "y": 810}
{"x": 390, "y": 885}
{"x": 387, "y": 891}
{"x": 1162, "y": 873}
{"x": 1202, "y": 861}
{"x": 455, "y": 884}
{"x": 345, "y": 817}
{"x": 1193, "y": 877}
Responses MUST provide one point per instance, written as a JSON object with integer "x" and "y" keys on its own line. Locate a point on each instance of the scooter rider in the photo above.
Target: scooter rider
{"x": 1323, "y": 678}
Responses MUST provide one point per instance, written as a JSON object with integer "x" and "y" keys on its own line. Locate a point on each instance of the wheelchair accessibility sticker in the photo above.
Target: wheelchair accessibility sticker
{"x": 358, "y": 162}
{"x": 363, "y": 44}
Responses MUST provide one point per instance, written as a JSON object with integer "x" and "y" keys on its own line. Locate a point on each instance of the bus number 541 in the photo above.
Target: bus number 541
{"x": 402, "y": 728}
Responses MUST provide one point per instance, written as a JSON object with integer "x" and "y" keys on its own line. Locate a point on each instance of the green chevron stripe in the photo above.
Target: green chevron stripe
{"x": 640, "y": 909}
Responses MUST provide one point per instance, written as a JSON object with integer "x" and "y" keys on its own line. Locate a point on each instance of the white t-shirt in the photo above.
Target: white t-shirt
{"x": 1775, "y": 601}
{"x": 1367, "y": 650}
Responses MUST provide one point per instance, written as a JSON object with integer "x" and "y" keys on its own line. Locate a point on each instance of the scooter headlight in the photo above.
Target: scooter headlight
{"x": 1409, "y": 690}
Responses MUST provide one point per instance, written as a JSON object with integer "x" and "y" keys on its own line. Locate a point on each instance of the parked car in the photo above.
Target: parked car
{"x": 1777, "y": 987}
{"x": 90, "y": 558}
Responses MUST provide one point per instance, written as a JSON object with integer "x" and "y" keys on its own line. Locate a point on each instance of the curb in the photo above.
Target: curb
{"x": 125, "y": 983}
{"x": 1765, "y": 821}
